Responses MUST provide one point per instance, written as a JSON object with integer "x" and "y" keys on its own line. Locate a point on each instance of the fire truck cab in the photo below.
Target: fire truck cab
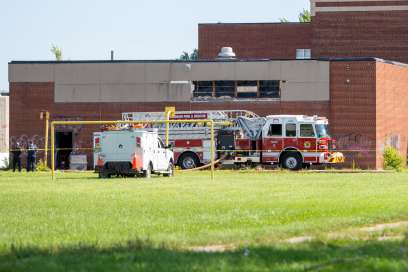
{"x": 292, "y": 141}
{"x": 297, "y": 140}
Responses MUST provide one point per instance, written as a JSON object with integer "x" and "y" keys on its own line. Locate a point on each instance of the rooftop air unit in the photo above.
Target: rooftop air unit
{"x": 226, "y": 53}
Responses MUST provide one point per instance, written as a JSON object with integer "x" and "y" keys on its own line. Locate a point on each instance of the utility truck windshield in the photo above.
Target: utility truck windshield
{"x": 322, "y": 131}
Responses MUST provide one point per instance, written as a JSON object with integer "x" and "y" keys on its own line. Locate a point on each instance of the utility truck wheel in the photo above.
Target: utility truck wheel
{"x": 148, "y": 173}
{"x": 188, "y": 161}
{"x": 292, "y": 161}
{"x": 170, "y": 170}
{"x": 103, "y": 174}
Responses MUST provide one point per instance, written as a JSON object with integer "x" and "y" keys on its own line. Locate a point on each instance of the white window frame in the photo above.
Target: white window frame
{"x": 302, "y": 54}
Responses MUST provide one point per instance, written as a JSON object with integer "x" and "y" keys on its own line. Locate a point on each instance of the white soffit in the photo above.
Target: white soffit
{"x": 358, "y": 7}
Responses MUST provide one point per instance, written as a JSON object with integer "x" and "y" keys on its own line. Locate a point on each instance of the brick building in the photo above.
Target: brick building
{"x": 339, "y": 29}
{"x": 346, "y": 79}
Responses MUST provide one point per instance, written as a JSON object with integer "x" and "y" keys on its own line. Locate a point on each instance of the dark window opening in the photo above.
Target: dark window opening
{"x": 238, "y": 89}
{"x": 64, "y": 144}
{"x": 225, "y": 88}
{"x": 290, "y": 130}
{"x": 306, "y": 130}
{"x": 269, "y": 89}
{"x": 275, "y": 130}
{"x": 203, "y": 88}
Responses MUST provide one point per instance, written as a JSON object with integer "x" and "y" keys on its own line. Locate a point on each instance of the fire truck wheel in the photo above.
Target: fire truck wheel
{"x": 170, "y": 171}
{"x": 292, "y": 161}
{"x": 148, "y": 173}
{"x": 188, "y": 161}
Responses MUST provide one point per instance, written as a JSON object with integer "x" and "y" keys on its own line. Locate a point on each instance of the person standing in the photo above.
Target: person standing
{"x": 31, "y": 157}
{"x": 16, "y": 151}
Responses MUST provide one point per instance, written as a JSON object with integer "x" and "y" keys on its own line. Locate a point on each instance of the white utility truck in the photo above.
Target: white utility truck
{"x": 132, "y": 153}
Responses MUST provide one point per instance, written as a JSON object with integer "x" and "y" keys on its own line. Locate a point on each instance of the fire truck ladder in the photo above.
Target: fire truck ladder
{"x": 216, "y": 115}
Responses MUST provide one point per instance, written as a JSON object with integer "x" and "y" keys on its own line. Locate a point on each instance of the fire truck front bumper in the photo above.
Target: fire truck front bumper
{"x": 336, "y": 157}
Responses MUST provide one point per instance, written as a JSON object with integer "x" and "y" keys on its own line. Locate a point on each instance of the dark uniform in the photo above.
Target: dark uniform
{"x": 31, "y": 157}
{"x": 16, "y": 151}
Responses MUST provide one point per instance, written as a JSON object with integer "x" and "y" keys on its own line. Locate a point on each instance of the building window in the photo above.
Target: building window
{"x": 224, "y": 88}
{"x": 303, "y": 54}
{"x": 238, "y": 89}
{"x": 247, "y": 89}
{"x": 275, "y": 130}
{"x": 290, "y": 130}
{"x": 269, "y": 89}
{"x": 306, "y": 130}
{"x": 203, "y": 88}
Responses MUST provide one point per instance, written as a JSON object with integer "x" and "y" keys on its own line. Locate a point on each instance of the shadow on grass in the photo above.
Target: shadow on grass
{"x": 142, "y": 256}
{"x": 112, "y": 179}
{"x": 94, "y": 176}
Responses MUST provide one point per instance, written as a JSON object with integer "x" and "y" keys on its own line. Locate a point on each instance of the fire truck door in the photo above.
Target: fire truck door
{"x": 272, "y": 142}
{"x": 290, "y": 137}
{"x": 307, "y": 142}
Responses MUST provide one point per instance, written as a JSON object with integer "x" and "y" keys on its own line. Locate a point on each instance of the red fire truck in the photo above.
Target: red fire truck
{"x": 291, "y": 141}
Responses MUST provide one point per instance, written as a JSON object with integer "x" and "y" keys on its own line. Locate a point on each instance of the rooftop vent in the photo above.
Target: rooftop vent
{"x": 226, "y": 53}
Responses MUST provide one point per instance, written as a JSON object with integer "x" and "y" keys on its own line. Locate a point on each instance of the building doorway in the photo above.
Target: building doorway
{"x": 64, "y": 145}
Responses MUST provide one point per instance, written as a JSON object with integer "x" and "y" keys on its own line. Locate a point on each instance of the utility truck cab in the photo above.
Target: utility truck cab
{"x": 131, "y": 153}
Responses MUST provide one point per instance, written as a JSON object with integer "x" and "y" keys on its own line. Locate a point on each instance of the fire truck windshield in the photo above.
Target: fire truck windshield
{"x": 322, "y": 131}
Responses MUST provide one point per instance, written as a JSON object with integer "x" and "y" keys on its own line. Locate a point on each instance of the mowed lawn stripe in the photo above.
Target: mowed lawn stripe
{"x": 189, "y": 209}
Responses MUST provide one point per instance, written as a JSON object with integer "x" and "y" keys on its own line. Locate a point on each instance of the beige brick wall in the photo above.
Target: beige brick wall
{"x": 4, "y": 124}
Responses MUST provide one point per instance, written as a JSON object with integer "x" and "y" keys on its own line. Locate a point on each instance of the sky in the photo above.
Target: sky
{"x": 134, "y": 29}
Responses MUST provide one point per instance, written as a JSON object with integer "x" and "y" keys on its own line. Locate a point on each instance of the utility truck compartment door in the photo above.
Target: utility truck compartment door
{"x": 118, "y": 146}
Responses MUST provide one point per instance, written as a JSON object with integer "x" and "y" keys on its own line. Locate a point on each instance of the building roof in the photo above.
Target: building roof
{"x": 154, "y": 61}
{"x": 209, "y": 60}
{"x": 256, "y": 23}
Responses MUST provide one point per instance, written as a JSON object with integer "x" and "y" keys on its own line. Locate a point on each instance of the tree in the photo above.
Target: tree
{"x": 304, "y": 17}
{"x": 184, "y": 56}
{"x": 194, "y": 55}
{"x": 187, "y": 57}
{"x": 57, "y": 52}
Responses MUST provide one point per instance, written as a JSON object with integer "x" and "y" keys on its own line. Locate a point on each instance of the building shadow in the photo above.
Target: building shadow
{"x": 143, "y": 256}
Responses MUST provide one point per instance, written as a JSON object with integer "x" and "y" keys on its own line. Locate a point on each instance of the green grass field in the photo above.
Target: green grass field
{"x": 80, "y": 223}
